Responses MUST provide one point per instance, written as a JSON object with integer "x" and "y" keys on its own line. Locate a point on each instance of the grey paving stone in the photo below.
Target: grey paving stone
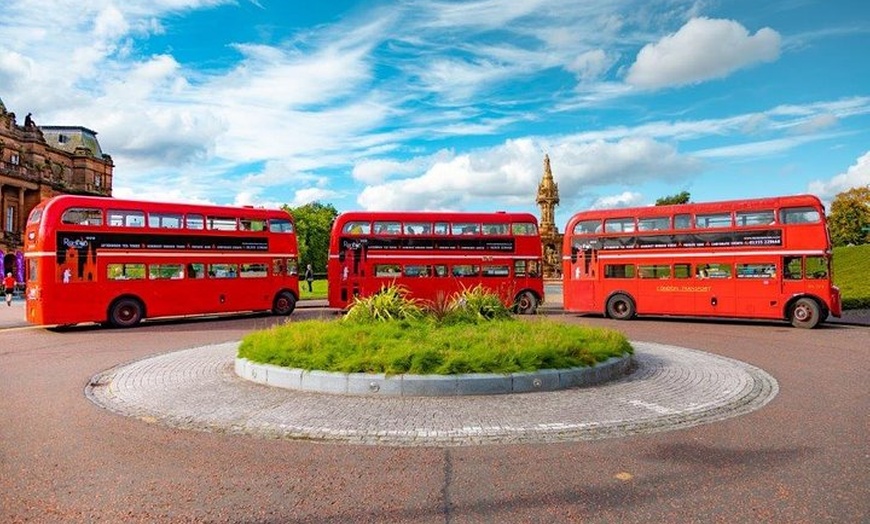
{"x": 669, "y": 388}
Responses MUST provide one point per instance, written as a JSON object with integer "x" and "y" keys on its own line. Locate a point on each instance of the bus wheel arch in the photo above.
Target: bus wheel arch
{"x": 284, "y": 303}
{"x": 526, "y": 303}
{"x": 805, "y": 312}
{"x": 126, "y": 311}
{"x": 621, "y": 306}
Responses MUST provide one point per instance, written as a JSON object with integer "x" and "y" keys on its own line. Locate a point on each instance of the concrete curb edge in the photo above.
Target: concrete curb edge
{"x": 370, "y": 384}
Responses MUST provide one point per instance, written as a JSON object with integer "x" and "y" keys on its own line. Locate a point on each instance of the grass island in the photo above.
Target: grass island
{"x": 471, "y": 332}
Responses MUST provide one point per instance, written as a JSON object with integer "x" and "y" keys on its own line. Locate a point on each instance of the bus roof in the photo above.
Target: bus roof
{"x": 410, "y": 216}
{"x": 703, "y": 207}
{"x": 62, "y": 202}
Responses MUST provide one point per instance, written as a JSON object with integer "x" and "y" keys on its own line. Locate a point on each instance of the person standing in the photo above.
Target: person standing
{"x": 309, "y": 277}
{"x": 9, "y": 285}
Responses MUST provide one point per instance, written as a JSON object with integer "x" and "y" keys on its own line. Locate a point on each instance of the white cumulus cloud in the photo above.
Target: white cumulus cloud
{"x": 624, "y": 199}
{"x": 702, "y": 49}
{"x": 506, "y": 175}
{"x": 857, "y": 175}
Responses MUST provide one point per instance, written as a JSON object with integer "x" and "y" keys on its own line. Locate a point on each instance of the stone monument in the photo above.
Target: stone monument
{"x": 547, "y": 200}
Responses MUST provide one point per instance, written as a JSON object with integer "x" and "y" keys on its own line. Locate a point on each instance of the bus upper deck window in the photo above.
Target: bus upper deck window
{"x": 654, "y": 224}
{"x": 712, "y": 220}
{"x": 280, "y": 225}
{"x": 164, "y": 220}
{"x": 799, "y": 215}
{"x": 465, "y": 228}
{"x": 388, "y": 228}
{"x": 683, "y": 221}
{"x": 194, "y": 222}
{"x": 441, "y": 228}
{"x": 222, "y": 223}
{"x": 82, "y": 216}
{"x": 126, "y": 218}
{"x": 357, "y": 228}
{"x": 587, "y": 227}
{"x": 619, "y": 225}
{"x": 495, "y": 229}
{"x": 417, "y": 228}
{"x": 252, "y": 224}
{"x": 522, "y": 229}
{"x": 754, "y": 218}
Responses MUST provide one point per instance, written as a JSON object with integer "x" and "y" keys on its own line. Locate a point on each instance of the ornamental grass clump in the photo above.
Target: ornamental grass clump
{"x": 476, "y": 304}
{"x": 391, "y": 303}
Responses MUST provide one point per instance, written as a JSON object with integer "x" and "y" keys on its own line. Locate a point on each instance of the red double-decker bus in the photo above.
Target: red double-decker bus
{"x": 105, "y": 260}
{"x": 767, "y": 258}
{"x": 434, "y": 255}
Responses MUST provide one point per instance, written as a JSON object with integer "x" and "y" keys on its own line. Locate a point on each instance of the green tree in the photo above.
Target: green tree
{"x": 849, "y": 220}
{"x": 313, "y": 227}
{"x": 680, "y": 198}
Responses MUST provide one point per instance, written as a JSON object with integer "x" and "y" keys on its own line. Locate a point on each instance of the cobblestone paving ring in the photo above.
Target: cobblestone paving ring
{"x": 671, "y": 388}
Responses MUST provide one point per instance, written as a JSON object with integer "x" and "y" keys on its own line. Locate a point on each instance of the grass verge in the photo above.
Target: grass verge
{"x": 851, "y": 266}
{"x": 319, "y": 288}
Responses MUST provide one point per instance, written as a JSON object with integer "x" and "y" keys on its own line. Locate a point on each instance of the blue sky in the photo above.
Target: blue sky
{"x": 424, "y": 104}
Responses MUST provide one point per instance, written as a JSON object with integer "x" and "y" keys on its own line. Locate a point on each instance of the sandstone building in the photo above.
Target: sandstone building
{"x": 39, "y": 162}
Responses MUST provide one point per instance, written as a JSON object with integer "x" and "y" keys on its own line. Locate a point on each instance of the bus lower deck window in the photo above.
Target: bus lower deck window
{"x": 496, "y": 271}
{"x": 619, "y": 271}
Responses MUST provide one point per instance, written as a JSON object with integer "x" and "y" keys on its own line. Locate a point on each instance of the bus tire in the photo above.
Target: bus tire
{"x": 284, "y": 304}
{"x": 805, "y": 313}
{"x": 620, "y": 307}
{"x": 125, "y": 312}
{"x": 526, "y": 303}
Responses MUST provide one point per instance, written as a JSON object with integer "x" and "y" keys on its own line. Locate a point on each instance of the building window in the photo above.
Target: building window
{"x": 14, "y": 159}
{"x": 10, "y": 218}
{"x": 62, "y": 139}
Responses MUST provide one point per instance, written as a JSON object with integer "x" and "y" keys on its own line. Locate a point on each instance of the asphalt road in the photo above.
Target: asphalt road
{"x": 803, "y": 457}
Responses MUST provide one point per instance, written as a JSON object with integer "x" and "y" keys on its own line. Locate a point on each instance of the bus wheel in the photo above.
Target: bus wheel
{"x": 125, "y": 312}
{"x": 284, "y": 304}
{"x": 805, "y": 313}
{"x": 526, "y": 303}
{"x": 620, "y": 307}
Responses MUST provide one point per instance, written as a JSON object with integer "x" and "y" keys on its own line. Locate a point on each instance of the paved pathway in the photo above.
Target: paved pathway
{"x": 671, "y": 388}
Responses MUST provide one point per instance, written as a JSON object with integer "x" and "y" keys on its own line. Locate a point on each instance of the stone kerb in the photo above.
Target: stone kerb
{"x": 406, "y": 385}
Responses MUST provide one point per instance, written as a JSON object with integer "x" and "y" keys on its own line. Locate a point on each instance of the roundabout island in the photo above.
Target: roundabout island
{"x": 668, "y": 388}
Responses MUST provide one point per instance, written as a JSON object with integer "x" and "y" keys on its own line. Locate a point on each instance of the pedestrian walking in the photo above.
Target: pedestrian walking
{"x": 9, "y": 285}
{"x": 309, "y": 277}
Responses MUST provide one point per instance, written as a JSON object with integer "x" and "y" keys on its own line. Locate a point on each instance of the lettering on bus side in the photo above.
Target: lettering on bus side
{"x": 683, "y": 289}
{"x": 771, "y": 237}
{"x": 446, "y": 243}
{"x": 158, "y": 242}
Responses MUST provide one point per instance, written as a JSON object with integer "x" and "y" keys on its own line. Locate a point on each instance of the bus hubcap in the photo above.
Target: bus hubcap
{"x": 802, "y": 313}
